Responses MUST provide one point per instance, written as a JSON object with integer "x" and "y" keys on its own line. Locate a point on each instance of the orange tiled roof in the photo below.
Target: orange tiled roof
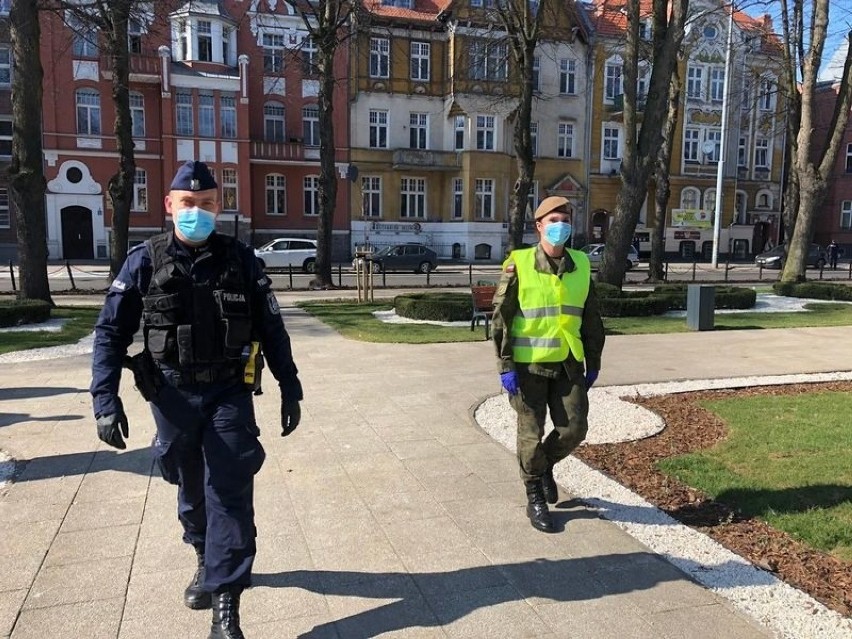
{"x": 423, "y": 11}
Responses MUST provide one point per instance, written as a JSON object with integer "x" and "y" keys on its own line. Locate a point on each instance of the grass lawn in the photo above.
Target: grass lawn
{"x": 787, "y": 460}
{"x": 81, "y": 322}
{"x": 357, "y": 322}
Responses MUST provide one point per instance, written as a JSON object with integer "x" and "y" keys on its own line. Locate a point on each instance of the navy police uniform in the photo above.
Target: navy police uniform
{"x": 200, "y": 308}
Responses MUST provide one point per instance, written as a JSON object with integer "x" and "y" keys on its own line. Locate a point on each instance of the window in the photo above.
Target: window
{"x": 714, "y": 136}
{"x": 710, "y": 200}
{"x": 484, "y": 132}
{"x": 412, "y": 193}
{"x": 378, "y": 129}
{"x": 459, "y": 133}
{"x": 273, "y": 53}
{"x": 565, "y": 140}
{"x": 311, "y": 195}
{"x": 183, "y": 115}
{"x": 276, "y": 194}
{"x": 689, "y": 198}
{"x": 746, "y": 97}
{"x": 183, "y": 46}
{"x": 849, "y": 158}
{"x": 418, "y": 130}
{"x": 532, "y": 200}
{"x": 567, "y": 77}
{"x": 273, "y": 122}
{"x": 761, "y": 153}
{"x": 134, "y": 36}
{"x": 379, "y": 57}
{"x": 229, "y": 189}
{"x": 5, "y": 65}
{"x": 205, "y": 41}
{"x": 309, "y": 57}
{"x": 371, "y": 196}
{"x": 483, "y": 199}
{"x": 140, "y": 191}
{"x": 614, "y": 86}
{"x": 536, "y": 73}
{"x": 85, "y": 38}
{"x": 228, "y": 116}
{"x": 88, "y": 112}
{"x": 6, "y": 137}
{"x": 420, "y": 61}
{"x": 611, "y": 150}
{"x": 137, "y": 114}
{"x": 310, "y": 126}
{"x": 691, "y": 144}
{"x": 226, "y": 45}
{"x": 458, "y": 198}
{"x": 645, "y": 30}
{"x": 695, "y": 82}
{"x": 741, "y": 206}
{"x": 845, "y": 211}
{"x": 488, "y": 60}
{"x": 717, "y": 84}
{"x": 766, "y": 95}
{"x": 206, "y": 116}
{"x": 642, "y": 78}
{"x": 534, "y": 138}
{"x": 5, "y": 218}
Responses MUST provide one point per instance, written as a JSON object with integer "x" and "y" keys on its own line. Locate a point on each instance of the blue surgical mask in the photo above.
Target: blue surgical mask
{"x": 557, "y": 233}
{"x": 195, "y": 224}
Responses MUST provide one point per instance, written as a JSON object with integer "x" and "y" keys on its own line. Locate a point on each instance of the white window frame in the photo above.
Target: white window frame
{"x": 85, "y": 38}
{"x": 420, "y": 67}
{"x": 534, "y": 138}
{"x": 695, "y": 82}
{"x": 274, "y": 122}
{"x": 140, "y": 191}
{"x": 567, "y": 77}
{"x": 228, "y": 117}
{"x": 536, "y": 73}
{"x": 458, "y": 132}
{"x": 565, "y": 140}
{"x": 849, "y": 158}
{"x": 761, "y": 153}
{"x": 532, "y": 201}
{"x": 379, "y": 58}
{"x": 742, "y": 152}
{"x": 88, "y": 111}
{"x": 613, "y": 79}
{"x": 608, "y": 140}
{"x": 310, "y": 125}
{"x": 488, "y": 60}
{"x": 230, "y": 192}
{"x": 311, "y": 195}
{"x": 204, "y": 33}
{"x": 714, "y": 136}
{"x": 137, "y": 113}
{"x": 206, "y": 115}
{"x": 274, "y": 52}
{"x": 371, "y": 196}
{"x": 690, "y": 198}
{"x": 412, "y": 198}
{"x": 717, "y": 84}
{"x": 5, "y": 66}
{"x": 766, "y": 94}
{"x": 276, "y": 187}
{"x": 483, "y": 198}
{"x": 5, "y": 210}
{"x": 379, "y": 128}
{"x": 457, "y": 205}
{"x": 309, "y": 57}
{"x": 845, "y": 213}
{"x": 184, "y": 114}
{"x": 418, "y": 130}
{"x": 709, "y": 201}
{"x": 692, "y": 145}
{"x": 135, "y": 31}
{"x": 485, "y": 133}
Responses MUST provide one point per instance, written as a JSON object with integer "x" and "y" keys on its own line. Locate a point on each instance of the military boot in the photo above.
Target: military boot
{"x": 537, "y": 507}
{"x": 194, "y": 597}
{"x": 226, "y": 616}
{"x": 551, "y": 492}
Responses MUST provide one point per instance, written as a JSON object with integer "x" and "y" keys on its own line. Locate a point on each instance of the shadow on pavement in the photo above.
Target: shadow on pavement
{"x": 7, "y": 419}
{"x": 37, "y": 391}
{"x": 138, "y": 461}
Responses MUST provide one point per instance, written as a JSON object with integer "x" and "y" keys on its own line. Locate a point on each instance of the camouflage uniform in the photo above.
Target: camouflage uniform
{"x": 559, "y": 386}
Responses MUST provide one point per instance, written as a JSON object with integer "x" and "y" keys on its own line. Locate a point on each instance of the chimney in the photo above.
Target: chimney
{"x": 767, "y": 23}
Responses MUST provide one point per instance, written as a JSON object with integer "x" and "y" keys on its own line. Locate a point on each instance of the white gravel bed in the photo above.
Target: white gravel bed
{"x": 83, "y": 347}
{"x": 390, "y": 317}
{"x": 53, "y": 325}
{"x": 787, "y": 611}
{"x": 769, "y": 303}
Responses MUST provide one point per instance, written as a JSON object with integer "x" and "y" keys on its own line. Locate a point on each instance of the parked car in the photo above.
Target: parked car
{"x": 777, "y": 255}
{"x": 402, "y": 257}
{"x": 284, "y": 252}
{"x": 595, "y": 253}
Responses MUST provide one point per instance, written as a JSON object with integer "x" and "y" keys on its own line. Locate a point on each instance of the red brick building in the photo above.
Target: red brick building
{"x": 230, "y": 83}
{"x": 8, "y": 241}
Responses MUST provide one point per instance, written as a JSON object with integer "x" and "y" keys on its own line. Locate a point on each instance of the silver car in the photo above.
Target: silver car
{"x": 286, "y": 252}
{"x": 595, "y": 253}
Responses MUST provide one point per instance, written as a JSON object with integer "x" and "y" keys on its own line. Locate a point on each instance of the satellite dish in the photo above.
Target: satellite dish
{"x": 708, "y": 147}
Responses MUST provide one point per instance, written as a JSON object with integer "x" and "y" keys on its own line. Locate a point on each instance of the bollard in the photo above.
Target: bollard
{"x": 694, "y": 264}
{"x": 290, "y": 273}
{"x": 384, "y": 279}
{"x": 339, "y": 276}
{"x": 666, "y": 273}
{"x": 470, "y": 272}
{"x": 821, "y": 267}
{"x": 70, "y": 275}
{"x": 850, "y": 269}
{"x": 428, "y": 276}
{"x": 760, "y": 271}
{"x": 15, "y": 288}
{"x": 700, "y": 307}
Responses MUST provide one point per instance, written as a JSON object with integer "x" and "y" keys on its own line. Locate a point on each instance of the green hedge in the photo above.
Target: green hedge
{"x": 725, "y": 296}
{"x": 442, "y": 307}
{"x": 667, "y": 297}
{"x": 19, "y": 312}
{"x": 814, "y": 290}
{"x": 607, "y": 290}
{"x": 633, "y": 305}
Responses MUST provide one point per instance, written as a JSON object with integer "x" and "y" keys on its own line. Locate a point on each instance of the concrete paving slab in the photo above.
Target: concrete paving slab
{"x": 79, "y": 582}
{"x": 92, "y": 515}
{"x": 10, "y": 605}
{"x": 90, "y": 619}
{"x": 82, "y": 545}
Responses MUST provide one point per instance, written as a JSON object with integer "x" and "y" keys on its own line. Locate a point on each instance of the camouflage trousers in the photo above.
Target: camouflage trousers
{"x": 566, "y": 399}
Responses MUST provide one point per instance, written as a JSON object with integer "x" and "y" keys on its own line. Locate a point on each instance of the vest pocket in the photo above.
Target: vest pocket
{"x": 159, "y": 343}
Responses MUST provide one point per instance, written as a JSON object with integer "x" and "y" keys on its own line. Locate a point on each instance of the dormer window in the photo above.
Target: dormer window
{"x": 405, "y": 4}
{"x": 201, "y": 32}
{"x": 205, "y": 41}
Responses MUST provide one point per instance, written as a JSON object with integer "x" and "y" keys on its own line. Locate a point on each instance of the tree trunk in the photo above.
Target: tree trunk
{"x": 327, "y": 178}
{"x": 523, "y": 152}
{"x": 121, "y": 184}
{"x": 663, "y": 190}
{"x": 26, "y": 174}
{"x": 812, "y": 192}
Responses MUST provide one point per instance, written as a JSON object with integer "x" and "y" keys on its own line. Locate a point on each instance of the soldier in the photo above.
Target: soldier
{"x": 546, "y": 328}
{"x": 205, "y": 305}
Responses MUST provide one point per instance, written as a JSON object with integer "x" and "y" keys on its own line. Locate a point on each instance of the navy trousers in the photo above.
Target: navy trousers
{"x": 207, "y": 444}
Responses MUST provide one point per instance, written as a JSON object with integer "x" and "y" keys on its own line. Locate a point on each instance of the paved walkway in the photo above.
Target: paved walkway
{"x": 387, "y": 513}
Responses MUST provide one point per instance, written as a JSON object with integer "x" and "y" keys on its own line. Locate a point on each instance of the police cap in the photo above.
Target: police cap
{"x": 193, "y": 176}
{"x": 551, "y": 204}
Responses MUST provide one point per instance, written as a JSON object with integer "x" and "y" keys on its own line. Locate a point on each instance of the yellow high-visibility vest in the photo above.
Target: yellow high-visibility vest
{"x": 547, "y": 325}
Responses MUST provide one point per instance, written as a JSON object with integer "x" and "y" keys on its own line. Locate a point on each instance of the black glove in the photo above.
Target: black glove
{"x": 291, "y": 415}
{"x": 112, "y": 427}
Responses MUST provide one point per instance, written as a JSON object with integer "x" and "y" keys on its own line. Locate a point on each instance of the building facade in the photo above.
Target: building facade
{"x": 8, "y": 241}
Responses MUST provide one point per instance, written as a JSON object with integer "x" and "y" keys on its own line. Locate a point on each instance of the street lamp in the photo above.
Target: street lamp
{"x": 720, "y": 168}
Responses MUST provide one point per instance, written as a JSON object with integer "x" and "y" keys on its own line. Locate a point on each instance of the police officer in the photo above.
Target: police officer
{"x": 549, "y": 337}
{"x": 204, "y": 302}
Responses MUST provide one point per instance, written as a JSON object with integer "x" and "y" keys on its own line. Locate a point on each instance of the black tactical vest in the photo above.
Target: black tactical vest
{"x": 189, "y": 325}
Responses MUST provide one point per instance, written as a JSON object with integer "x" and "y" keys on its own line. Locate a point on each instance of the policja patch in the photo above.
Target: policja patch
{"x": 273, "y": 303}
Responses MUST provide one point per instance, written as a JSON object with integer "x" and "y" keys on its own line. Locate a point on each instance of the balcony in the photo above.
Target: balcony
{"x": 282, "y": 151}
{"x": 617, "y": 105}
{"x": 143, "y": 68}
{"x": 426, "y": 160}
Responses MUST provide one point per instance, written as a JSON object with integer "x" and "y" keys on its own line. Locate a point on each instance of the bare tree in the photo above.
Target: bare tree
{"x": 26, "y": 171}
{"x": 642, "y": 144}
{"x": 811, "y": 157}
{"x": 326, "y": 22}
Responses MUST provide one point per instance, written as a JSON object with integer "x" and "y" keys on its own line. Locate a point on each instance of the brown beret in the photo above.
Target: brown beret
{"x": 550, "y": 204}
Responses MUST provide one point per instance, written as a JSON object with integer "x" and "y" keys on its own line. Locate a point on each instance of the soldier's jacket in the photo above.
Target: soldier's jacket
{"x": 506, "y": 305}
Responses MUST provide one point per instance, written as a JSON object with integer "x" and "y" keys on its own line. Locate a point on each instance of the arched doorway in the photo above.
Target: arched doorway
{"x": 77, "y": 240}
{"x": 600, "y": 224}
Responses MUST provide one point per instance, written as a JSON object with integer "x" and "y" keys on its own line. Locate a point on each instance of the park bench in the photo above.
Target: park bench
{"x": 483, "y": 306}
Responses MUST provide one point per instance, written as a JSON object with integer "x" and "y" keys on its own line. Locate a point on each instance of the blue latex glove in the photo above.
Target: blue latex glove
{"x": 591, "y": 377}
{"x": 510, "y": 382}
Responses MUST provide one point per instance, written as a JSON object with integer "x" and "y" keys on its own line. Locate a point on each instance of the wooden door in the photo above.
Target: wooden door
{"x": 77, "y": 239}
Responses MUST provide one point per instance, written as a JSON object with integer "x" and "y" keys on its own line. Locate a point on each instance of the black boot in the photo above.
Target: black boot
{"x": 551, "y": 492}
{"x": 226, "y": 616}
{"x": 194, "y": 597}
{"x": 537, "y": 507}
